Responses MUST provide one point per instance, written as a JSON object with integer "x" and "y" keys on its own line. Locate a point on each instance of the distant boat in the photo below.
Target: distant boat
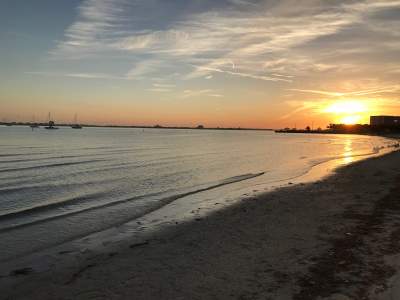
{"x": 51, "y": 125}
{"x": 76, "y": 125}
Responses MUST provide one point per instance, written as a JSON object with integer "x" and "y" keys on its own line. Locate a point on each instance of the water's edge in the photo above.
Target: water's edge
{"x": 180, "y": 209}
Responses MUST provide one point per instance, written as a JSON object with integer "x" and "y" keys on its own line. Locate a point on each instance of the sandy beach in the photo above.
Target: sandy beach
{"x": 332, "y": 239}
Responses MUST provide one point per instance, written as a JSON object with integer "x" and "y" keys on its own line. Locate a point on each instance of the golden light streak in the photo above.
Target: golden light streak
{"x": 347, "y": 107}
{"x": 348, "y": 111}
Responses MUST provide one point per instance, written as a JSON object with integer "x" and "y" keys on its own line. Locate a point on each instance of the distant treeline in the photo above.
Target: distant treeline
{"x": 347, "y": 129}
{"x": 364, "y": 128}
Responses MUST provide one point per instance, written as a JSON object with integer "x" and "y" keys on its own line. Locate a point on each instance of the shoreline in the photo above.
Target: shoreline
{"x": 279, "y": 171}
{"x": 194, "y": 204}
{"x": 271, "y": 245}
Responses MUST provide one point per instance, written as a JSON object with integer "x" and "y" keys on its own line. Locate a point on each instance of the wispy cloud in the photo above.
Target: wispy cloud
{"x": 300, "y": 107}
{"x": 159, "y": 90}
{"x": 197, "y": 93}
{"x": 277, "y": 42}
{"x": 98, "y": 24}
{"x": 78, "y": 75}
{"x": 246, "y": 37}
{"x": 202, "y": 70}
{"x": 164, "y": 85}
{"x": 378, "y": 90}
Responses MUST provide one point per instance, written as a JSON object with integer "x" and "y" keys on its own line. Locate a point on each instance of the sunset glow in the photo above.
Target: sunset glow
{"x": 351, "y": 119}
{"x": 348, "y": 112}
{"x": 347, "y": 107}
{"x": 228, "y": 63}
{"x": 199, "y": 149}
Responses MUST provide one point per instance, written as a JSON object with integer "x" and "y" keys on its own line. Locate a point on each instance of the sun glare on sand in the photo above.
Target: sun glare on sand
{"x": 347, "y": 112}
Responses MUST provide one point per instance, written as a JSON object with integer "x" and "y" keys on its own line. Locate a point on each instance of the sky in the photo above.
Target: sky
{"x": 227, "y": 63}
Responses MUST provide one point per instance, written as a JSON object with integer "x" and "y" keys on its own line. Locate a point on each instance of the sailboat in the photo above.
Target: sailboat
{"x": 76, "y": 125}
{"x": 51, "y": 124}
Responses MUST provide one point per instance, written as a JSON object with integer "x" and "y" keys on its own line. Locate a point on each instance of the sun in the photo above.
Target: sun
{"x": 352, "y": 119}
{"x": 348, "y": 111}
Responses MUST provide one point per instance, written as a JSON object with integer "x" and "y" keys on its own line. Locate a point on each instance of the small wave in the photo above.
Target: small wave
{"x": 29, "y": 187}
{"x": 49, "y": 158}
{"x": 22, "y": 147}
{"x": 51, "y": 165}
{"x": 315, "y": 163}
{"x": 38, "y": 159}
{"x": 23, "y": 154}
{"x": 63, "y": 204}
{"x": 162, "y": 202}
{"x": 12, "y": 155}
{"x": 49, "y": 206}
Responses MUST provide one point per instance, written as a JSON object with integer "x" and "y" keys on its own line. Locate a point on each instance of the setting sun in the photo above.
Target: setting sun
{"x": 348, "y": 112}
{"x": 352, "y": 119}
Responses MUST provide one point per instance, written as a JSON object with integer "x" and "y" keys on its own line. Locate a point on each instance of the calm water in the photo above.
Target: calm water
{"x": 63, "y": 184}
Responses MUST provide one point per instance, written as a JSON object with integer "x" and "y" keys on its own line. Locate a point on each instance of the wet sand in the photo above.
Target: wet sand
{"x": 332, "y": 239}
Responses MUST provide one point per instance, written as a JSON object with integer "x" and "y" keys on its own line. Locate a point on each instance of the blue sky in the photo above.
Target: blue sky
{"x": 225, "y": 63}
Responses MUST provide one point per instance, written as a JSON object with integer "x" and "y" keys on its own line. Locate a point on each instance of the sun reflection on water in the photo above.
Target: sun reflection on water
{"x": 348, "y": 152}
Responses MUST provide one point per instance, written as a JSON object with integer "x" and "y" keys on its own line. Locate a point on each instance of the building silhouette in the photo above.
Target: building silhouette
{"x": 390, "y": 121}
